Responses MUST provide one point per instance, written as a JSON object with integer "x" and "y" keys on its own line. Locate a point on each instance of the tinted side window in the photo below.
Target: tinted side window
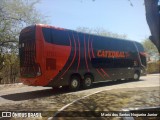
{"x": 129, "y": 46}
{"x": 58, "y": 37}
{"x": 47, "y": 34}
{"x": 124, "y": 45}
{"x": 120, "y": 45}
{"x": 111, "y": 63}
{"x": 102, "y": 63}
{"x": 140, "y": 47}
{"x": 108, "y": 43}
{"x": 117, "y": 45}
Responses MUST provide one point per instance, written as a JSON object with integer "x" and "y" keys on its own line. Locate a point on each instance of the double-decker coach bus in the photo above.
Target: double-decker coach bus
{"x": 51, "y": 56}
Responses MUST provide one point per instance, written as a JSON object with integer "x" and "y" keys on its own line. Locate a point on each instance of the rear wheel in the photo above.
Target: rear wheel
{"x": 87, "y": 82}
{"x": 74, "y": 83}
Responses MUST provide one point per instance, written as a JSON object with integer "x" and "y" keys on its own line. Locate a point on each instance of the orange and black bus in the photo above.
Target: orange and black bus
{"x": 51, "y": 56}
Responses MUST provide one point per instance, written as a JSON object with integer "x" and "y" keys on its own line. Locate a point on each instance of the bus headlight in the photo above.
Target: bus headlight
{"x": 38, "y": 73}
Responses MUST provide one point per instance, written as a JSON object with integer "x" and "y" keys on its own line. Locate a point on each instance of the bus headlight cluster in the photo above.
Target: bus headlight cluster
{"x": 39, "y": 71}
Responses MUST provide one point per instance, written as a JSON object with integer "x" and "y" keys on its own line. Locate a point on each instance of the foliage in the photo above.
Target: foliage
{"x": 14, "y": 15}
{"x": 153, "y": 67}
{"x": 100, "y": 31}
{"x": 151, "y": 50}
{"x": 10, "y": 71}
{"x": 149, "y": 47}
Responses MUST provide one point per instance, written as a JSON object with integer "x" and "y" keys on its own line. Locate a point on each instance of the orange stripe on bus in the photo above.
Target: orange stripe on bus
{"x": 85, "y": 54}
{"x": 94, "y": 57}
{"x": 79, "y": 53}
{"x": 104, "y": 72}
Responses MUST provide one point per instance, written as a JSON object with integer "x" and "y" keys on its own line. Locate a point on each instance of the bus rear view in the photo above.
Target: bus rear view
{"x": 41, "y": 61}
{"x": 29, "y": 68}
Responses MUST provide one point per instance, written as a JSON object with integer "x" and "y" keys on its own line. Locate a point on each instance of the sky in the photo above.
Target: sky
{"x": 116, "y": 16}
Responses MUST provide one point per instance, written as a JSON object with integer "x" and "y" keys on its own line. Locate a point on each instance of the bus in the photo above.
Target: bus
{"x": 52, "y": 56}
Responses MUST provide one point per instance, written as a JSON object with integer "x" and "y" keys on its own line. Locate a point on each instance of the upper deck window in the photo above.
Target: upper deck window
{"x": 59, "y": 37}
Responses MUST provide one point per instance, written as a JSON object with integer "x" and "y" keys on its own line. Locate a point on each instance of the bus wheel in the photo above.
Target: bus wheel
{"x": 74, "y": 83}
{"x": 87, "y": 82}
{"x": 136, "y": 76}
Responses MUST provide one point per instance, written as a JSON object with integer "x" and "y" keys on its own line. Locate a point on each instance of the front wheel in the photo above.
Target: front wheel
{"x": 74, "y": 83}
{"x": 87, "y": 82}
{"x": 136, "y": 76}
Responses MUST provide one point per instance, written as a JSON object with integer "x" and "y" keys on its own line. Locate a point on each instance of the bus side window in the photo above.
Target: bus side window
{"x": 140, "y": 47}
{"x": 47, "y": 34}
{"x": 54, "y": 36}
{"x": 130, "y": 47}
{"x": 102, "y": 62}
{"x": 60, "y": 37}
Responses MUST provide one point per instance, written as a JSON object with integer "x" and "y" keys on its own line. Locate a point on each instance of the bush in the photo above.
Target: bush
{"x": 153, "y": 67}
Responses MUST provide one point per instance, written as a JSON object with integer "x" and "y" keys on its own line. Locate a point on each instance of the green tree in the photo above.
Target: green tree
{"x": 14, "y": 15}
{"x": 149, "y": 46}
{"x": 150, "y": 49}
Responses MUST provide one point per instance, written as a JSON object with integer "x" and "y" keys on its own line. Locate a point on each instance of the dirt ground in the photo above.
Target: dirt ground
{"x": 116, "y": 100}
{"x": 111, "y": 100}
{"x": 9, "y": 86}
{"x": 103, "y": 96}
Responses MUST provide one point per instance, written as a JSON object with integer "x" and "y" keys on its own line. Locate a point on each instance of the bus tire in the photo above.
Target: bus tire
{"x": 136, "y": 75}
{"x": 74, "y": 83}
{"x": 87, "y": 82}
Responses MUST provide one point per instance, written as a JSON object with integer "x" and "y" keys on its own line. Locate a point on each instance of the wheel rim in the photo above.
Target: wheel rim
{"x": 74, "y": 83}
{"x": 135, "y": 76}
{"x": 88, "y": 81}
